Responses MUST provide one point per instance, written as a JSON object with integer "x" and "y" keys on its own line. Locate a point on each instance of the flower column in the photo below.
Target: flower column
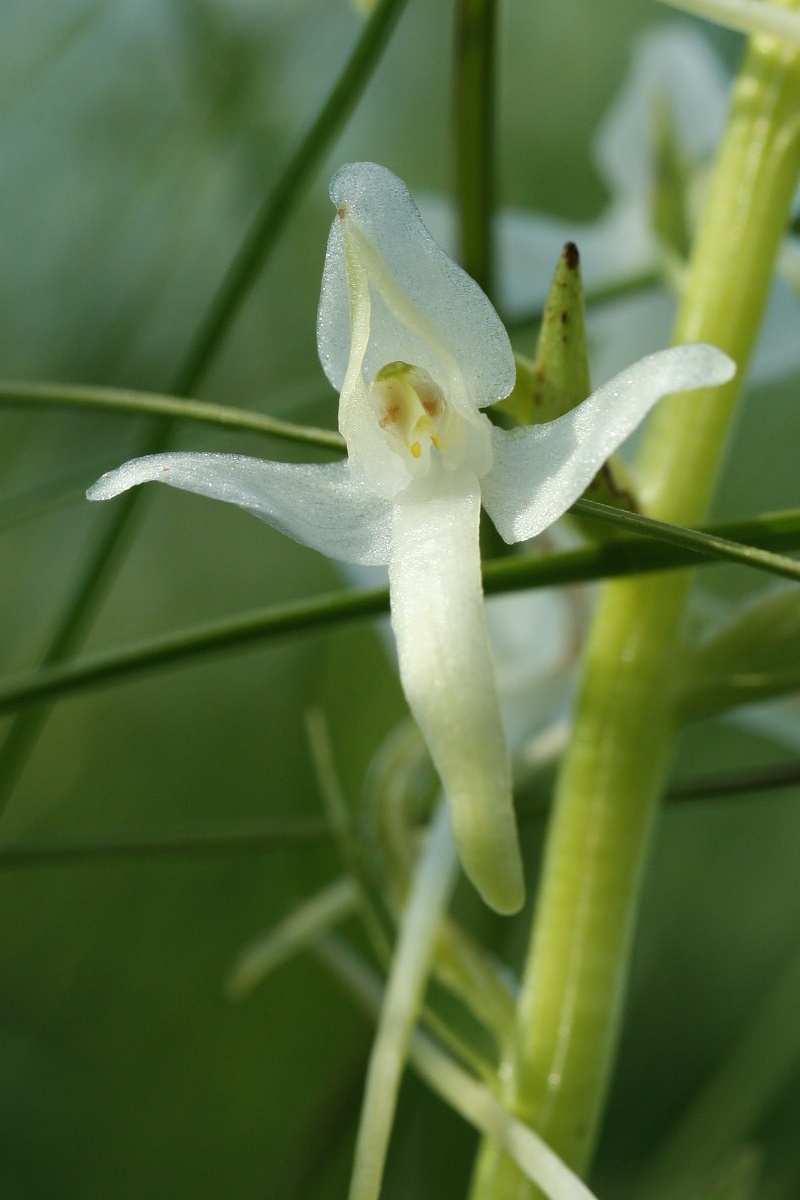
{"x": 557, "y": 1072}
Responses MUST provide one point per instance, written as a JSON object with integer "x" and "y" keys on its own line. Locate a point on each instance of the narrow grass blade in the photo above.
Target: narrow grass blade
{"x": 257, "y": 837}
{"x": 703, "y": 542}
{"x": 772, "y": 777}
{"x": 125, "y": 402}
{"x": 297, "y": 932}
{"x": 185, "y": 841}
{"x": 100, "y": 669}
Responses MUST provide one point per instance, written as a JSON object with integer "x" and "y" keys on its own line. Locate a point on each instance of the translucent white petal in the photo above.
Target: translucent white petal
{"x": 448, "y": 675}
{"x": 454, "y": 319}
{"x": 321, "y": 506}
{"x": 539, "y": 471}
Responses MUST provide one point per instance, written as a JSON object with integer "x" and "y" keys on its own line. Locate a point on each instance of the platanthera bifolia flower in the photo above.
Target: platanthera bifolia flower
{"x": 416, "y": 351}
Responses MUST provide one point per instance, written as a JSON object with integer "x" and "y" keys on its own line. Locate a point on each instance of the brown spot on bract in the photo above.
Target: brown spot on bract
{"x": 564, "y": 316}
{"x": 340, "y": 212}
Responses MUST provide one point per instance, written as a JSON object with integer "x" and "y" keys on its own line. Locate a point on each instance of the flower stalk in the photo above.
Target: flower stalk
{"x": 557, "y": 1070}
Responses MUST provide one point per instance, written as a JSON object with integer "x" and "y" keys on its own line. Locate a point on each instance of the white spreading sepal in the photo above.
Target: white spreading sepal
{"x": 320, "y": 505}
{"x": 539, "y": 471}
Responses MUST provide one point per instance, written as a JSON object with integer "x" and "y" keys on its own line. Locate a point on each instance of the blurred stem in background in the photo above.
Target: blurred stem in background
{"x": 474, "y": 136}
{"x": 557, "y": 1070}
{"x": 108, "y": 551}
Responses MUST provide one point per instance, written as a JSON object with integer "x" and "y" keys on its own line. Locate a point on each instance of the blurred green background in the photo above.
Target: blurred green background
{"x": 137, "y": 140}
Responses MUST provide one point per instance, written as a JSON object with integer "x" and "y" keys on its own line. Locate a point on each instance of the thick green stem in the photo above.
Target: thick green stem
{"x": 557, "y": 1071}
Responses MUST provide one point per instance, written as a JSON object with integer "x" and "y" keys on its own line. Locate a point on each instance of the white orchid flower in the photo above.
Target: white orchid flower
{"x": 416, "y": 351}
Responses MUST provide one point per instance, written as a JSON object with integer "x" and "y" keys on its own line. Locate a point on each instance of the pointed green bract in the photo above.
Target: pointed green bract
{"x": 558, "y": 380}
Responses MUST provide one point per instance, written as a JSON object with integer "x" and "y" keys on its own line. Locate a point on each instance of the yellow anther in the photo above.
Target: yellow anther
{"x": 416, "y": 449}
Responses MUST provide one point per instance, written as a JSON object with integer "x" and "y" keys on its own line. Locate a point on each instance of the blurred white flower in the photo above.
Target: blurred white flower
{"x": 674, "y": 71}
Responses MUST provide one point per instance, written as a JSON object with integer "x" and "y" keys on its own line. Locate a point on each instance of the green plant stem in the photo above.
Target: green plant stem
{"x": 108, "y": 548}
{"x": 257, "y": 837}
{"x": 557, "y": 1070}
{"x": 474, "y": 135}
{"x": 606, "y": 560}
{"x": 702, "y": 541}
{"x": 185, "y": 841}
{"x": 122, "y": 401}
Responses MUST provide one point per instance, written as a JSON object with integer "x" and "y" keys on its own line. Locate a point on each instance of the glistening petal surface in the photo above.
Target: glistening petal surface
{"x": 448, "y": 675}
{"x": 539, "y": 471}
{"x": 320, "y": 505}
{"x": 458, "y": 315}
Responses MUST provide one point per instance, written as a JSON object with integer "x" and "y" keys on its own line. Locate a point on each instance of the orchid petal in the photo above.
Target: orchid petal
{"x": 448, "y": 675}
{"x": 320, "y": 505}
{"x": 539, "y": 471}
{"x": 431, "y": 313}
